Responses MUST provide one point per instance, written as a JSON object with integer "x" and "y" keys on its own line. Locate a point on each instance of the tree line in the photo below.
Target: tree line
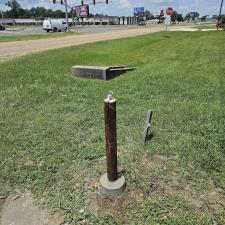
{"x": 39, "y": 13}
{"x": 191, "y": 16}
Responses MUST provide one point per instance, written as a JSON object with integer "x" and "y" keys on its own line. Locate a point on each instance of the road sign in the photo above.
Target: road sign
{"x": 169, "y": 11}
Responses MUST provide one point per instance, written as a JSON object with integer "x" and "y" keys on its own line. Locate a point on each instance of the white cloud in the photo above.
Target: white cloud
{"x": 125, "y": 7}
{"x": 125, "y": 4}
{"x": 3, "y": 7}
{"x": 160, "y": 1}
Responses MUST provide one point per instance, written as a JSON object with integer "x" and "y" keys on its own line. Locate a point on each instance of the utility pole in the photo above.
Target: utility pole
{"x": 64, "y": 2}
{"x": 67, "y": 20}
{"x": 221, "y": 6}
{"x": 2, "y": 14}
{"x": 177, "y": 12}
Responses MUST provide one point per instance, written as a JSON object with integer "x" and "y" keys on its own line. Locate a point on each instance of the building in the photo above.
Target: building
{"x": 108, "y": 20}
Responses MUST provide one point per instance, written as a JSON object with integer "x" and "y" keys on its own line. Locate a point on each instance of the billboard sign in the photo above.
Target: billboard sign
{"x": 139, "y": 11}
{"x": 82, "y": 11}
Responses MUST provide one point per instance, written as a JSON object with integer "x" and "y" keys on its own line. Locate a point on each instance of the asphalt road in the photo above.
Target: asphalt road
{"x": 84, "y": 30}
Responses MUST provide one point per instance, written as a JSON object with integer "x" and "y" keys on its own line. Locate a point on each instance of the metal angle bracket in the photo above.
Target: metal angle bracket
{"x": 147, "y": 127}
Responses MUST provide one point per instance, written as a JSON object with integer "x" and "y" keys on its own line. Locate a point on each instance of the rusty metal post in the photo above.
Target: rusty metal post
{"x": 111, "y": 184}
{"x": 111, "y": 137}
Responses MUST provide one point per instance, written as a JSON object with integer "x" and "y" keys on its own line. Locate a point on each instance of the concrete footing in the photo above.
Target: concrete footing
{"x": 101, "y": 73}
{"x": 112, "y": 188}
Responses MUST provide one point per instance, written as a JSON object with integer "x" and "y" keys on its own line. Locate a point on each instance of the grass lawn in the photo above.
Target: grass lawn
{"x": 52, "y": 129}
{"x": 35, "y": 36}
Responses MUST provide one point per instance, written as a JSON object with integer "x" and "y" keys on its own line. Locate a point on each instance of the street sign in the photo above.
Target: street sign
{"x": 161, "y": 13}
{"x": 169, "y": 11}
{"x": 139, "y": 11}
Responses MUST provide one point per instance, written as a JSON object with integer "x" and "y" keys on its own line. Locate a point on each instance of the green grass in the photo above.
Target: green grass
{"x": 35, "y": 36}
{"x": 52, "y": 128}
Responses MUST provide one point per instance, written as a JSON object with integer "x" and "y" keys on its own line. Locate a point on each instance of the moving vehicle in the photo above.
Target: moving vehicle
{"x": 54, "y": 25}
{"x": 2, "y": 27}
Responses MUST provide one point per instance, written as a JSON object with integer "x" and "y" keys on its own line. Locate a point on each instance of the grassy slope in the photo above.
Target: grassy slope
{"x": 52, "y": 125}
{"x": 35, "y": 36}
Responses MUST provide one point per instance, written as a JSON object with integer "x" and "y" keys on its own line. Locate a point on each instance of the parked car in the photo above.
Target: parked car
{"x": 54, "y": 25}
{"x": 2, "y": 27}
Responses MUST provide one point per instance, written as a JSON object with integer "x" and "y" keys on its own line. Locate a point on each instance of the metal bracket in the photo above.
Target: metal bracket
{"x": 147, "y": 125}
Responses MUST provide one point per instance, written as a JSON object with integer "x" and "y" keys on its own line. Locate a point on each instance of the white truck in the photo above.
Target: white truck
{"x": 54, "y": 25}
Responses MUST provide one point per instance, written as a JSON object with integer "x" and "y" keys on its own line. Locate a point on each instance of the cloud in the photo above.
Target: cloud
{"x": 161, "y": 1}
{"x": 125, "y": 4}
{"x": 3, "y": 7}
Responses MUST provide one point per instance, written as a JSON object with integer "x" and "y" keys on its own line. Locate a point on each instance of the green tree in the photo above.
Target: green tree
{"x": 192, "y": 16}
{"x": 177, "y": 17}
{"x": 14, "y": 8}
{"x": 203, "y": 19}
{"x": 149, "y": 15}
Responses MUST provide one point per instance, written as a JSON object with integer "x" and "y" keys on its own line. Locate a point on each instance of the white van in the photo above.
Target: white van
{"x": 54, "y": 25}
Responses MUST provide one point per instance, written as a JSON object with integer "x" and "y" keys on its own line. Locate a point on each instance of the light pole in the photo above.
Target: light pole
{"x": 2, "y": 14}
{"x": 177, "y": 12}
{"x": 64, "y": 2}
{"x": 67, "y": 21}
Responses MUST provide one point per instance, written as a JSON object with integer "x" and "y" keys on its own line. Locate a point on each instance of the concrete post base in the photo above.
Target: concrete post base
{"x": 112, "y": 188}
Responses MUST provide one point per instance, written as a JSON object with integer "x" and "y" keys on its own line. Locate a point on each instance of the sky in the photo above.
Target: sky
{"x": 125, "y": 7}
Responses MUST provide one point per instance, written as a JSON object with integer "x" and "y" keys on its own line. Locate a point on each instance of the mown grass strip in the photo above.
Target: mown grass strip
{"x": 52, "y": 139}
{"x": 35, "y": 36}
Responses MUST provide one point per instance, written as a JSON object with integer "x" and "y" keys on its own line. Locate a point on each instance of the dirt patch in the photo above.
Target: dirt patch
{"x": 210, "y": 199}
{"x": 118, "y": 207}
{"x": 158, "y": 177}
{"x": 2, "y": 203}
{"x": 184, "y": 29}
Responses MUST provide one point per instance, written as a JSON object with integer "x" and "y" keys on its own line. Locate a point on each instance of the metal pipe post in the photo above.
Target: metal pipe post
{"x": 111, "y": 137}
{"x": 67, "y": 20}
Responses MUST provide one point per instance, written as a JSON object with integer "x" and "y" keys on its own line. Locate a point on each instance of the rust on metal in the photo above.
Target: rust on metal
{"x": 111, "y": 137}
